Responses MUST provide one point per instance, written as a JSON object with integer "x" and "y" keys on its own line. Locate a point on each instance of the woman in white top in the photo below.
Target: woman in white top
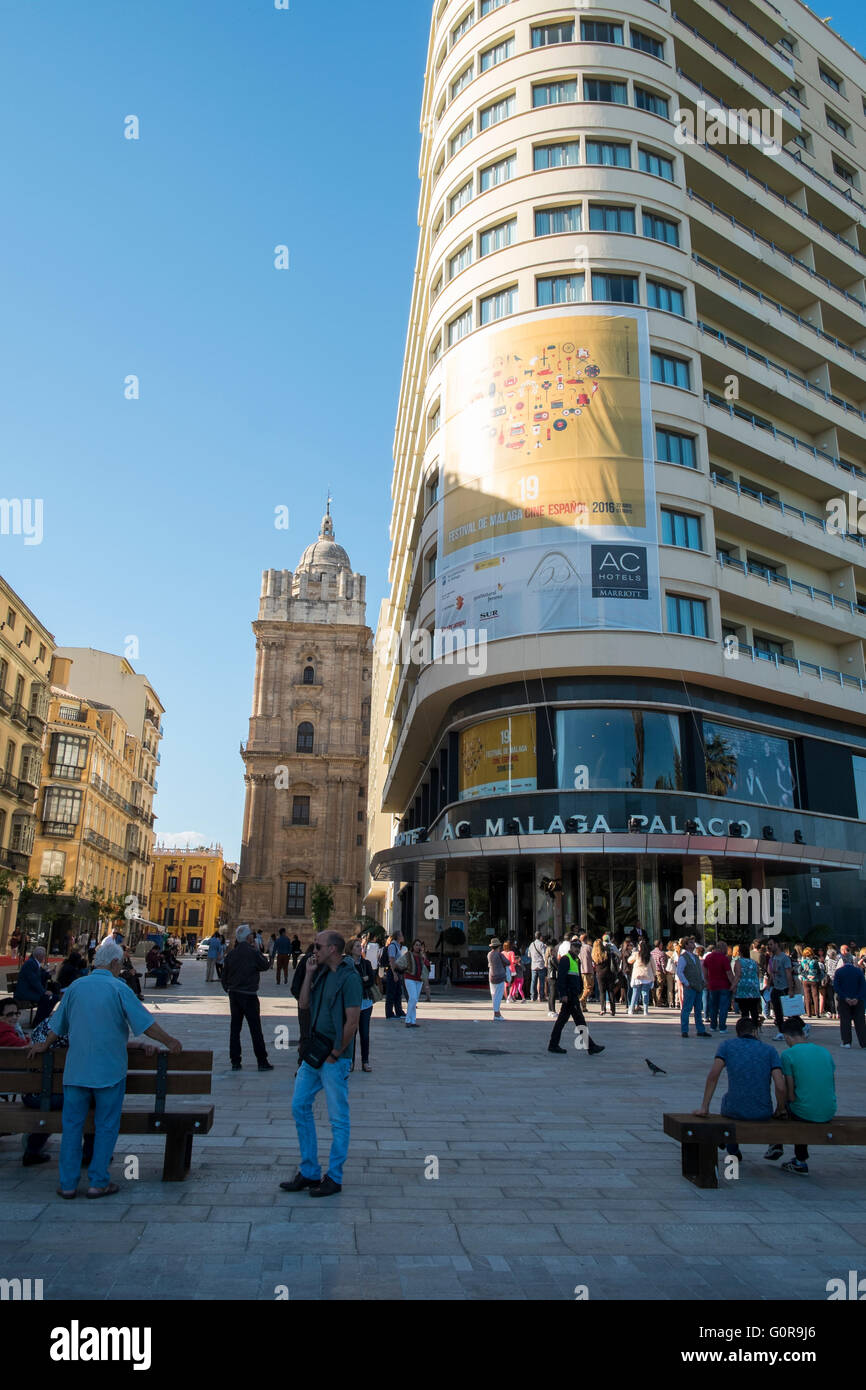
{"x": 642, "y": 976}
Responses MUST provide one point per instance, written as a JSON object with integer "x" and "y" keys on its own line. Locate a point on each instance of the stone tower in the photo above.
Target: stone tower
{"x": 306, "y": 757}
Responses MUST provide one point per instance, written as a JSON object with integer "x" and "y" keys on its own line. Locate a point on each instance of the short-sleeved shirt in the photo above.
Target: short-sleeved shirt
{"x": 98, "y": 1012}
{"x": 813, "y": 1070}
{"x": 750, "y": 1065}
{"x": 778, "y": 967}
{"x": 372, "y": 952}
{"x": 717, "y": 970}
{"x": 332, "y": 993}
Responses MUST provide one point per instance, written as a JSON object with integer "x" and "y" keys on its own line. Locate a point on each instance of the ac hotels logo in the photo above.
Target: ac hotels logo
{"x": 77, "y": 1343}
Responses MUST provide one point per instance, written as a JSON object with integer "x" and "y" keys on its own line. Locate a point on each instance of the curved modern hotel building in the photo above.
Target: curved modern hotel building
{"x": 629, "y": 451}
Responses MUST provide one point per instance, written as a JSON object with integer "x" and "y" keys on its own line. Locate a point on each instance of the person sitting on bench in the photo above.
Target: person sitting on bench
{"x": 157, "y": 967}
{"x": 811, "y": 1093}
{"x": 753, "y": 1067}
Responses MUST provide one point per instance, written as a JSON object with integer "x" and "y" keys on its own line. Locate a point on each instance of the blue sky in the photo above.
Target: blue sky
{"x": 258, "y": 388}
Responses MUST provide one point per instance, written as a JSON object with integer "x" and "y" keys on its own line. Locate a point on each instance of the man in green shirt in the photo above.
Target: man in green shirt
{"x": 809, "y": 1073}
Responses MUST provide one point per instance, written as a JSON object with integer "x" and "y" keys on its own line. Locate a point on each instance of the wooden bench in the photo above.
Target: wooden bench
{"x": 700, "y": 1138}
{"x": 160, "y": 1076}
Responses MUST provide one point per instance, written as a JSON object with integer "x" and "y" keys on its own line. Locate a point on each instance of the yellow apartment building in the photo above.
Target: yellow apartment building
{"x": 192, "y": 889}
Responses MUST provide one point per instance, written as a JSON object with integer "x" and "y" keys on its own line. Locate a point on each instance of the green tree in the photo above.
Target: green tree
{"x": 321, "y": 905}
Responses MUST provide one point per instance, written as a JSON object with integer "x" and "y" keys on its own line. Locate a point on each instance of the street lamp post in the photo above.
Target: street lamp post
{"x": 172, "y": 869}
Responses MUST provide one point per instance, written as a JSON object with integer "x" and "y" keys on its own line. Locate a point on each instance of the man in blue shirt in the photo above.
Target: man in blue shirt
{"x": 98, "y": 1012}
{"x": 850, "y": 986}
{"x": 752, "y": 1067}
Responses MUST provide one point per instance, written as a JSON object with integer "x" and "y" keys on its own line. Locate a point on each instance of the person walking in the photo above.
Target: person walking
{"x": 497, "y": 974}
{"x": 296, "y": 950}
{"x": 691, "y": 978}
{"x": 672, "y": 954}
{"x": 850, "y": 985}
{"x": 332, "y": 992}
{"x": 282, "y": 953}
{"x": 780, "y": 971}
{"x": 746, "y": 985}
{"x": 809, "y": 1072}
{"x": 213, "y": 954}
{"x": 244, "y": 964}
{"x": 643, "y": 975}
{"x": 415, "y": 973}
{"x": 393, "y": 978}
{"x": 368, "y": 981}
{"x": 551, "y": 960}
{"x": 811, "y": 974}
{"x": 720, "y": 981}
{"x": 659, "y": 961}
{"x": 603, "y": 965}
{"x": 97, "y": 1013}
{"x": 514, "y": 984}
{"x": 538, "y": 969}
{"x": 570, "y": 988}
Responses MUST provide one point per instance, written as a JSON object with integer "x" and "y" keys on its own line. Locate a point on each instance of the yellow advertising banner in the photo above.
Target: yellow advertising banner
{"x": 543, "y": 428}
{"x": 498, "y": 755}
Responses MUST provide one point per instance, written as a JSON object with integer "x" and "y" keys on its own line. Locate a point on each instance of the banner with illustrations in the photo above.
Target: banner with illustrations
{"x": 548, "y": 517}
{"x": 498, "y": 755}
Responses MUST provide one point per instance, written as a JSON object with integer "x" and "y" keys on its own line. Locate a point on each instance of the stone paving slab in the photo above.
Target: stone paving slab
{"x": 554, "y": 1172}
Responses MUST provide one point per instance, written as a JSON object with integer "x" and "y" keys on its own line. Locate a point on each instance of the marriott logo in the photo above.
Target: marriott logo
{"x": 77, "y": 1343}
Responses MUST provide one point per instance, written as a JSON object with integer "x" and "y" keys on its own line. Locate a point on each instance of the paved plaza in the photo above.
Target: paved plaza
{"x": 553, "y": 1173}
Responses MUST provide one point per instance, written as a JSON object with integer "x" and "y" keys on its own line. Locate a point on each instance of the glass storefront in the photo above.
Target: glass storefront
{"x": 618, "y": 748}
{"x": 750, "y": 766}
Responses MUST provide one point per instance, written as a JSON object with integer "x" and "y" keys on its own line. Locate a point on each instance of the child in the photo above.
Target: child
{"x": 809, "y": 1076}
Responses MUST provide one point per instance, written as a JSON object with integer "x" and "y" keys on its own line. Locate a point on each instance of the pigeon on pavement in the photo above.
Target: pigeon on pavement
{"x": 656, "y": 1071}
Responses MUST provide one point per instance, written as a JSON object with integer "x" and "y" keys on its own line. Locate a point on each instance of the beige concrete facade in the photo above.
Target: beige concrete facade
{"x": 762, "y": 275}
{"x": 26, "y": 649}
{"x": 306, "y": 756}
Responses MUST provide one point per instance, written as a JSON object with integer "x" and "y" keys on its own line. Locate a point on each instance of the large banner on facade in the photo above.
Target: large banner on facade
{"x": 498, "y": 755}
{"x": 548, "y": 516}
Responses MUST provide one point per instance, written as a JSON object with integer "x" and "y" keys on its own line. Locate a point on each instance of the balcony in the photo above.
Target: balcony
{"x": 13, "y": 859}
{"x": 741, "y": 72}
{"x": 36, "y": 721}
{"x": 290, "y": 824}
{"x": 786, "y": 509}
{"x": 803, "y": 668}
{"x": 60, "y": 829}
{"x": 69, "y": 715}
{"x": 19, "y": 713}
{"x": 107, "y": 846}
{"x": 64, "y": 772}
{"x": 794, "y": 586}
{"x": 5, "y": 700}
{"x": 759, "y": 423}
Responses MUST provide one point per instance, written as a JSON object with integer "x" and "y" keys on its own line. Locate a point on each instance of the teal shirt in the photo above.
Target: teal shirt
{"x": 813, "y": 1070}
{"x": 332, "y": 992}
{"x": 98, "y": 1012}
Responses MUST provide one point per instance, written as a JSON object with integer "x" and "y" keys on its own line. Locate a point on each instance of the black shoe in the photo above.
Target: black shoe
{"x": 595, "y": 1047}
{"x": 326, "y": 1188}
{"x": 266, "y": 1066}
{"x": 236, "y": 1066}
{"x": 552, "y": 1047}
{"x": 30, "y": 1160}
{"x": 299, "y": 1182}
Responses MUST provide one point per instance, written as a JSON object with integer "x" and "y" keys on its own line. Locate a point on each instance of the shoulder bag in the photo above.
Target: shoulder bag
{"x": 315, "y": 1049}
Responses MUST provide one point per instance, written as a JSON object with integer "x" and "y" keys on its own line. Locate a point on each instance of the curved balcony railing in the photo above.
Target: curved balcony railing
{"x": 759, "y": 423}
{"x": 786, "y": 508}
{"x": 803, "y": 668}
{"x": 777, "y": 366}
{"x": 794, "y": 586}
{"x": 777, "y": 96}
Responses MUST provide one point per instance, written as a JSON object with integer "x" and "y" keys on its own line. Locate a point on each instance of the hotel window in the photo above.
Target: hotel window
{"x": 661, "y": 229}
{"x": 803, "y": 140}
{"x": 459, "y": 262}
{"x": 667, "y": 297}
{"x": 671, "y": 371}
{"x": 555, "y": 93}
{"x": 843, "y": 171}
{"x": 552, "y": 221}
{"x": 605, "y": 218}
{"x": 436, "y": 351}
{"x": 499, "y": 111}
{"x": 686, "y": 615}
{"x": 608, "y": 152}
{"x": 296, "y": 896}
{"x": 836, "y": 123}
{"x": 498, "y": 237}
{"x": 195, "y": 883}
{"x": 436, "y": 288}
{"x": 499, "y": 305}
{"x": 462, "y": 81}
{"x": 556, "y": 156}
{"x": 543, "y": 34}
{"x": 658, "y": 164}
{"x": 461, "y": 27}
{"x": 678, "y": 528}
{"x": 795, "y": 90}
{"x": 787, "y": 43}
{"x": 433, "y": 488}
{"x": 459, "y": 327}
{"x": 600, "y": 31}
{"x": 650, "y": 101}
{"x": 300, "y": 810}
{"x": 769, "y": 647}
{"x": 305, "y": 738}
{"x": 830, "y": 79}
{"x": 646, "y": 43}
{"x": 614, "y": 289}
{"x": 497, "y": 173}
{"x": 497, "y": 54}
{"x": 459, "y": 199}
{"x": 488, "y": 6}
{"x": 601, "y": 89}
{"x": 559, "y": 289}
{"x": 463, "y": 136}
{"x": 434, "y": 420}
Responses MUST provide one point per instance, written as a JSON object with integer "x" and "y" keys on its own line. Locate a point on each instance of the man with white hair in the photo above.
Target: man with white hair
{"x": 97, "y": 1012}
{"x": 32, "y": 978}
{"x": 244, "y": 963}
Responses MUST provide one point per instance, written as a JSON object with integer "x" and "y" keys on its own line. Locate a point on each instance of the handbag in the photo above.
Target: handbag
{"x": 317, "y": 1047}
{"x": 375, "y": 994}
{"x": 793, "y": 1005}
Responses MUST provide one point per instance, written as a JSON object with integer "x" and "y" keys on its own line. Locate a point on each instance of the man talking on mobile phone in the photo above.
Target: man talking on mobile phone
{"x": 332, "y": 993}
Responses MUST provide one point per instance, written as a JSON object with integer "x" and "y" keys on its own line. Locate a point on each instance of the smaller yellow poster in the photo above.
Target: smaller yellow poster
{"x": 498, "y": 756}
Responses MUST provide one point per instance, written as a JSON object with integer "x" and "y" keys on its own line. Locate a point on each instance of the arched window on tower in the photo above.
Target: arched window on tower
{"x": 305, "y": 738}
{"x": 309, "y": 675}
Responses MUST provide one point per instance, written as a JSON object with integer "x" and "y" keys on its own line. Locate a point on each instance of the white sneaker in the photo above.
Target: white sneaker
{"x": 846, "y": 1044}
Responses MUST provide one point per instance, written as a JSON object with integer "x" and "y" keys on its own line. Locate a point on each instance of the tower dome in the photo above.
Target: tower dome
{"x": 324, "y": 553}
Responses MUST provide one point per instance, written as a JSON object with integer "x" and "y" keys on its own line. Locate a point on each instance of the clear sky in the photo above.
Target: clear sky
{"x": 258, "y": 387}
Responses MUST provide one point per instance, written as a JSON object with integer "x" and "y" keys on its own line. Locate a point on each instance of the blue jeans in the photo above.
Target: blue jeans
{"x": 108, "y": 1102}
{"x": 536, "y": 987}
{"x": 720, "y": 1002}
{"x": 691, "y": 1000}
{"x": 640, "y": 994}
{"x": 333, "y": 1079}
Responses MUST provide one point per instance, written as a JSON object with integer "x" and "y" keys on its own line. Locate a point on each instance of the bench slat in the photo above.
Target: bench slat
{"x": 842, "y": 1129}
{"x": 18, "y": 1119}
{"x": 137, "y": 1083}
